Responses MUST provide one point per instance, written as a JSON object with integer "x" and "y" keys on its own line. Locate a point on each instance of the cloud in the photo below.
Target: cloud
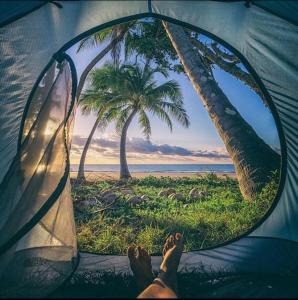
{"x": 78, "y": 141}
{"x": 76, "y": 149}
{"x": 147, "y": 147}
{"x": 137, "y": 146}
{"x": 106, "y": 143}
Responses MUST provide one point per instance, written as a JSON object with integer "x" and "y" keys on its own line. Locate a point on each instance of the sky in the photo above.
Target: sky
{"x": 200, "y": 143}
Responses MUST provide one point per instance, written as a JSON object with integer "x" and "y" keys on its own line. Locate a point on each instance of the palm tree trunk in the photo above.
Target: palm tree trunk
{"x": 81, "y": 174}
{"x": 254, "y": 160}
{"x": 124, "y": 172}
{"x": 95, "y": 60}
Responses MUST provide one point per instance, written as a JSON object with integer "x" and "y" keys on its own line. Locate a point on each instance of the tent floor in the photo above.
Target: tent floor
{"x": 190, "y": 286}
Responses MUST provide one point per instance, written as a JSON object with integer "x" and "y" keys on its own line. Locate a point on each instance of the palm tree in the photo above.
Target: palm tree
{"x": 115, "y": 35}
{"x": 254, "y": 160}
{"x": 118, "y": 36}
{"x": 136, "y": 93}
{"x": 97, "y": 99}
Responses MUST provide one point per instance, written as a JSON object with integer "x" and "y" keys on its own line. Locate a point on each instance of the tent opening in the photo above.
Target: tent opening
{"x": 194, "y": 157}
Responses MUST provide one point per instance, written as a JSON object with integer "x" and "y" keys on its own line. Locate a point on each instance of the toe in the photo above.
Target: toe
{"x": 179, "y": 239}
{"x": 146, "y": 255}
{"x": 142, "y": 253}
{"x": 139, "y": 252}
{"x": 171, "y": 241}
{"x": 164, "y": 251}
{"x": 131, "y": 253}
{"x": 166, "y": 246}
{"x": 178, "y": 236}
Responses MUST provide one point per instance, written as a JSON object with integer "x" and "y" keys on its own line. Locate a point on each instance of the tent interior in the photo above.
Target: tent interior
{"x": 38, "y": 246}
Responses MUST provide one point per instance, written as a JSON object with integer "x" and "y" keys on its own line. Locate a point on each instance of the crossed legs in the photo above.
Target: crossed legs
{"x": 165, "y": 285}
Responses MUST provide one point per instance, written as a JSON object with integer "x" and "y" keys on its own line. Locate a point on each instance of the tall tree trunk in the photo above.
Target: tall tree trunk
{"x": 96, "y": 59}
{"x": 124, "y": 172}
{"x": 81, "y": 174}
{"x": 218, "y": 57}
{"x": 254, "y": 160}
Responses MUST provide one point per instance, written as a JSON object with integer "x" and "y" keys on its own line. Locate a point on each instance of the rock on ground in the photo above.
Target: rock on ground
{"x": 89, "y": 202}
{"x": 177, "y": 196}
{"x": 196, "y": 194}
{"x": 105, "y": 192}
{"x": 135, "y": 200}
{"x": 167, "y": 192}
{"x": 145, "y": 198}
{"x": 109, "y": 197}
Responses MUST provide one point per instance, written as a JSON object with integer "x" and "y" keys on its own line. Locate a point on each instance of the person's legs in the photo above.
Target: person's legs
{"x": 156, "y": 290}
{"x": 140, "y": 264}
{"x": 165, "y": 285}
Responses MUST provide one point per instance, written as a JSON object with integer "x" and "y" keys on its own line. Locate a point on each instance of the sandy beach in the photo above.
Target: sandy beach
{"x": 97, "y": 176}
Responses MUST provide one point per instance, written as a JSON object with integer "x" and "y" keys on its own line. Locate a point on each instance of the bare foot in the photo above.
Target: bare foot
{"x": 172, "y": 252}
{"x": 140, "y": 265}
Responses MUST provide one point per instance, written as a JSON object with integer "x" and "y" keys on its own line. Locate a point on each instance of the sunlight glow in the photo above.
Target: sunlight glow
{"x": 50, "y": 130}
{"x": 41, "y": 168}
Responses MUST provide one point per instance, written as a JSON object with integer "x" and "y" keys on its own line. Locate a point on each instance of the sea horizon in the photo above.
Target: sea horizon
{"x": 159, "y": 168}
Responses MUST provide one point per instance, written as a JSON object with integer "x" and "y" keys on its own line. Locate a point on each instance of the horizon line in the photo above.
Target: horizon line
{"x": 158, "y": 164}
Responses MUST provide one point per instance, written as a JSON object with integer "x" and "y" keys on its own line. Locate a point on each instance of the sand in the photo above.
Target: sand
{"x": 98, "y": 176}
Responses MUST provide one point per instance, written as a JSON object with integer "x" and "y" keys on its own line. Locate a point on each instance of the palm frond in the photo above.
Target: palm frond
{"x": 170, "y": 90}
{"x": 144, "y": 123}
{"x": 162, "y": 115}
{"x": 177, "y": 112}
{"x": 107, "y": 116}
{"x": 95, "y": 39}
{"x": 122, "y": 118}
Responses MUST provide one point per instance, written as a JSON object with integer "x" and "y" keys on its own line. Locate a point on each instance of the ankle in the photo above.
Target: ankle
{"x": 169, "y": 279}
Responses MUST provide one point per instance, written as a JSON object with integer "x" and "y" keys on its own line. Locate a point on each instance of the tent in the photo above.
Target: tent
{"x": 37, "y": 103}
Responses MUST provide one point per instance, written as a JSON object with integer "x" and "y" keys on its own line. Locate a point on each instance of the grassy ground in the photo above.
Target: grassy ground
{"x": 219, "y": 216}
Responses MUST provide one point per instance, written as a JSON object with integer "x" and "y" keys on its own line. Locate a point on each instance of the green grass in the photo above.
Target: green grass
{"x": 220, "y": 216}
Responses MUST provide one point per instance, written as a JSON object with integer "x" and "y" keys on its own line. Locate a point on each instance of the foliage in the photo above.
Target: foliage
{"x": 99, "y": 99}
{"x": 151, "y": 42}
{"x": 109, "y": 34}
{"x": 220, "y": 216}
{"x": 131, "y": 87}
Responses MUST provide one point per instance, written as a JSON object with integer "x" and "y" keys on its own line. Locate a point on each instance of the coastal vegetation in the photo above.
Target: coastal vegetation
{"x": 172, "y": 47}
{"x": 207, "y": 209}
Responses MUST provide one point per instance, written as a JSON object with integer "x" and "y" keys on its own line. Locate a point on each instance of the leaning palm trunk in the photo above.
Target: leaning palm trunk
{"x": 96, "y": 59}
{"x": 124, "y": 172}
{"x": 81, "y": 173}
{"x": 254, "y": 160}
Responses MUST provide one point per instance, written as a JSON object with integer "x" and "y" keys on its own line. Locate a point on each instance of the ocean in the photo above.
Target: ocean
{"x": 160, "y": 168}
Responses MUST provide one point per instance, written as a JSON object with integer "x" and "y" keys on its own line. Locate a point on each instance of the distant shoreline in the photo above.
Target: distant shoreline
{"x": 148, "y": 172}
{"x": 159, "y": 168}
{"x": 114, "y": 175}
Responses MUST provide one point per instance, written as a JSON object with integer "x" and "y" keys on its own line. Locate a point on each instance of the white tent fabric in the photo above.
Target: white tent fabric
{"x": 37, "y": 232}
{"x": 265, "y": 35}
{"x": 268, "y": 51}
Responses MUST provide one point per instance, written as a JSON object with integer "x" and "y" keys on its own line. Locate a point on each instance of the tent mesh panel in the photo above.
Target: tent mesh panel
{"x": 46, "y": 255}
